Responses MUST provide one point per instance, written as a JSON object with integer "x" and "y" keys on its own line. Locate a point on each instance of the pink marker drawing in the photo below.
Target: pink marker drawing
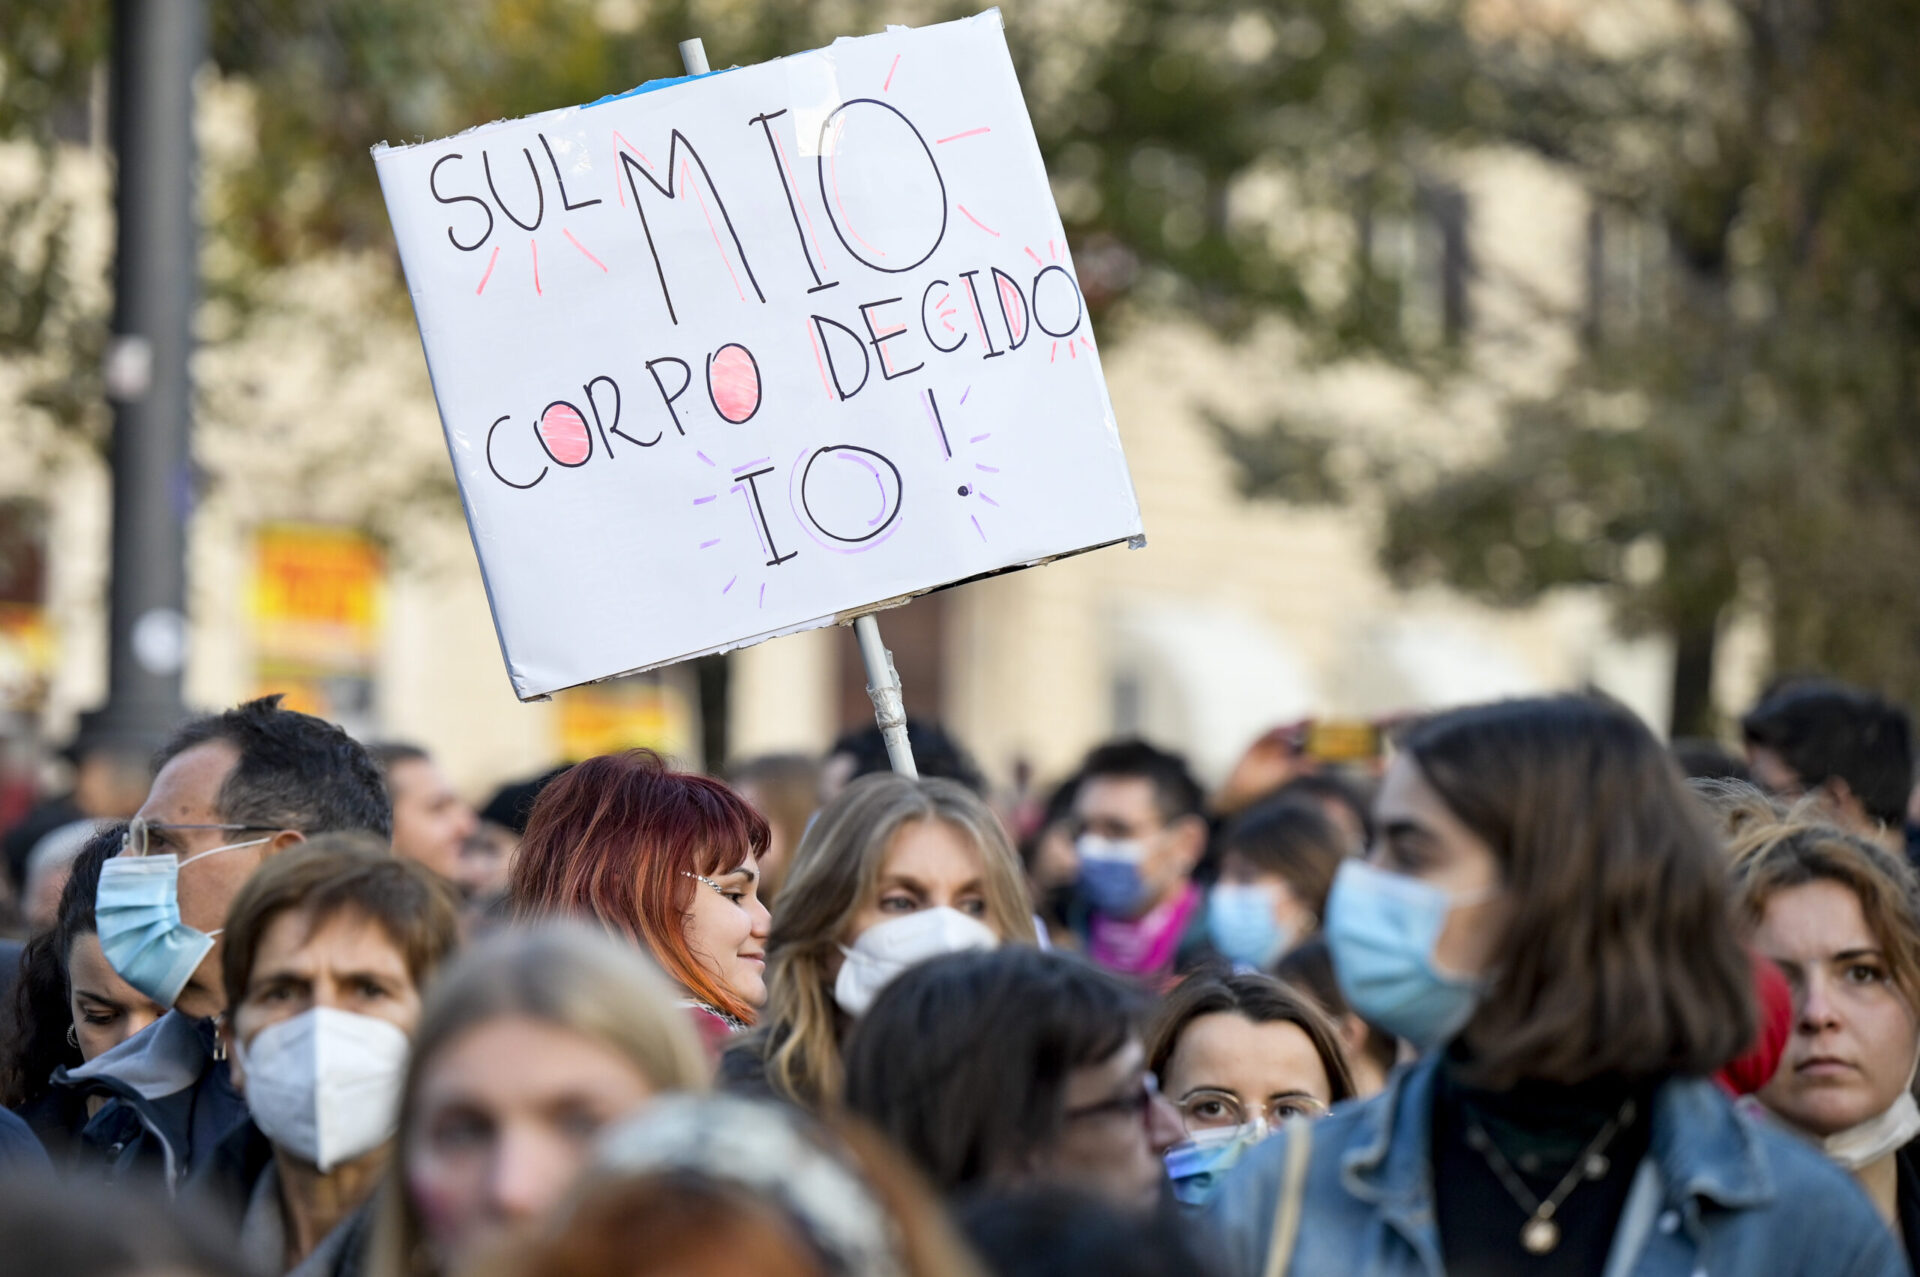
{"x": 489, "y": 272}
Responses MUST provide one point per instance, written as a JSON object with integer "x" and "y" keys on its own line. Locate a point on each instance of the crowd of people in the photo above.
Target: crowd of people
{"x": 1537, "y": 993}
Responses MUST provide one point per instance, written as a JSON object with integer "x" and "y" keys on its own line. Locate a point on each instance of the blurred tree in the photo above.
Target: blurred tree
{"x": 1745, "y": 411}
{"x": 1741, "y": 419}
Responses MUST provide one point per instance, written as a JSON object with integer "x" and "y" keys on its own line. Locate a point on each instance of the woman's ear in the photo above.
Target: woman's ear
{"x": 1353, "y": 1034}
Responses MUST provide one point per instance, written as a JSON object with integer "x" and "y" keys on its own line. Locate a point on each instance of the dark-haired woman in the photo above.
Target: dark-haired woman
{"x": 1544, "y": 913}
{"x": 1239, "y": 1056}
{"x": 70, "y": 1005}
{"x": 997, "y": 1069}
{"x": 1277, "y": 865}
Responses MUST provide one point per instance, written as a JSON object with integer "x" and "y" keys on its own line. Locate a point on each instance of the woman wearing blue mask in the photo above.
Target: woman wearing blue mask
{"x": 1239, "y": 1056}
{"x": 1544, "y": 914}
{"x": 1276, "y": 867}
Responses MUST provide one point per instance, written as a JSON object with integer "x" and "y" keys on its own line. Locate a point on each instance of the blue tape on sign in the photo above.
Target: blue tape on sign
{"x": 653, "y": 85}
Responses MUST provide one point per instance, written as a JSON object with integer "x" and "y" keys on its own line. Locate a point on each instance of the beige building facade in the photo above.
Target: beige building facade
{"x": 1235, "y": 617}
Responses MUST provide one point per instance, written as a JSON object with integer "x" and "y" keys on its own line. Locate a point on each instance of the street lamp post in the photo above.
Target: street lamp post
{"x": 158, "y": 46}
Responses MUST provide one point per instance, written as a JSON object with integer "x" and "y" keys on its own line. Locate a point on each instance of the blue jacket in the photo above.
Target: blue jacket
{"x": 1717, "y": 1194}
{"x": 169, "y": 1103}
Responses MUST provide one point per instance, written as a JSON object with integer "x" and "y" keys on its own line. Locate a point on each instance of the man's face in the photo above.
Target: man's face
{"x": 1123, "y": 809}
{"x": 431, "y": 821}
{"x": 486, "y": 861}
{"x": 186, "y": 792}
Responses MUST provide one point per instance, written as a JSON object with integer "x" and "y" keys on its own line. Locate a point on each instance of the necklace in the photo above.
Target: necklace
{"x": 1540, "y": 1234}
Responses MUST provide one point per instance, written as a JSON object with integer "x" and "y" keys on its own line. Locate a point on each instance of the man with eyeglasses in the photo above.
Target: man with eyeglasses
{"x": 231, "y": 790}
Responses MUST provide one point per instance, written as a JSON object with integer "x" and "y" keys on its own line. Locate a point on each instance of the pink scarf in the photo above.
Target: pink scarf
{"x": 1146, "y": 946}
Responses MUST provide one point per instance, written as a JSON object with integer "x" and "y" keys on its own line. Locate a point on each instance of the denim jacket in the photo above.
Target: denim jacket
{"x": 1716, "y": 1194}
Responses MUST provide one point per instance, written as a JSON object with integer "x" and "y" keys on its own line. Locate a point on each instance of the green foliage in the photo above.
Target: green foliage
{"x": 1750, "y": 417}
{"x": 1751, "y": 420}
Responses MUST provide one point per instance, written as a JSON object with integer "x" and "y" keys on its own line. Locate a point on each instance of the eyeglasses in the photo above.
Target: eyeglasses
{"x": 1134, "y": 1104}
{"x": 139, "y": 836}
{"x": 1209, "y": 1109}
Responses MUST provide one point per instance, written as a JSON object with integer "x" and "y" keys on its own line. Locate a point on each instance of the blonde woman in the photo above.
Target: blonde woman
{"x": 527, "y": 1046}
{"x": 893, "y": 872}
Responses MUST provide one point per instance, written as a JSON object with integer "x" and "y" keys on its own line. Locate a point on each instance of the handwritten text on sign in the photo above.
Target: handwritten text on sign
{"x": 724, "y": 359}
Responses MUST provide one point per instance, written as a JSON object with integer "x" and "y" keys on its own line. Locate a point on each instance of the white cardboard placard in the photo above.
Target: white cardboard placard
{"x": 730, "y": 357}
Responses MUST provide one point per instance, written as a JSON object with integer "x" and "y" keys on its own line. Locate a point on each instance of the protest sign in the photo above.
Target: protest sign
{"x": 737, "y": 355}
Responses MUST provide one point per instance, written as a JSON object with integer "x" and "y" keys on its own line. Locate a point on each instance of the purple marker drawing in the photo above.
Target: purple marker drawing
{"x": 728, "y": 585}
{"x": 704, "y": 500}
{"x": 708, "y": 545}
{"x": 981, "y": 438}
{"x": 704, "y": 457}
{"x": 750, "y": 465}
{"x": 794, "y": 502}
{"x": 984, "y": 497}
{"x": 875, "y": 472}
{"x": 763, "y": 594}
{"x": 988, "y": 469}
{"x": 976, "y": 526}
{"x": 965, "y": 393}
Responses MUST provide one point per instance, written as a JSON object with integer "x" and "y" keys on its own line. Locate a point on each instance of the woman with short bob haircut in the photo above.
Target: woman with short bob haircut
{"x": 1544, "y": 915}
{"x": 528, "y": 1044}
{"x": 1238, "y": 1056}
{"x": 668, "y": 859}
{"x": 1838, "y": 915}
{"x": 894, "y": 871}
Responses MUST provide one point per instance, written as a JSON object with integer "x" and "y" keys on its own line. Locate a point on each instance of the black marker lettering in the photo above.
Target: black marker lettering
{"x": 601, "y": 424}
{"x": 760, "y": 516}
{"x": 732, "y": 389}
{"x": 546, "y": 444}
{"x": 927, "y": 328}
{"x": 826, "y": 165}
{"x": 1002, "y": 284}
{"x": 433, "y": 185}
{"x": 979, "y": 314}
{"x": 1079, "y": 307}
{"x": 686, "y": 379}
{"x": 939, "y": 422}
{"x": 786, "y": 188}
{"x": 873, "y": 527}
{"x": 496, "y": 469}
{"x": 820, "y": 323}
{"x": 539, "y": 189}
{"x": 631, "y": 166}
{"x": 880, "y": 340}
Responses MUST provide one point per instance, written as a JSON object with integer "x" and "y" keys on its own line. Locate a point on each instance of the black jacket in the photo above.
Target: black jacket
{"x": 170, "y": 1102}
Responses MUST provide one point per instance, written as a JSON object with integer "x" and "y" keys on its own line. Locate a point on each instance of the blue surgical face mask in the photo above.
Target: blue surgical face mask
{"x": 1381, "y": 929}
{"x": 1242, "y": 925}
{"x": 137, "y": 915}
{"x": 1110, "y": 875}
{"x": 1198, "y": 1163}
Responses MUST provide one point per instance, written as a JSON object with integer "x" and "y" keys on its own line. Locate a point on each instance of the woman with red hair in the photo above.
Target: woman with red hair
{"x": 666, "y": 858}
